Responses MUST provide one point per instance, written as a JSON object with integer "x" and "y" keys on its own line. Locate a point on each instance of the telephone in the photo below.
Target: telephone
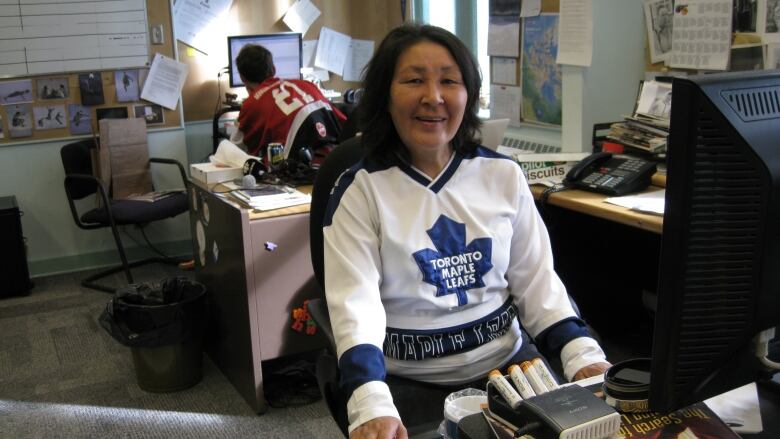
{"x": 601, "y": 172}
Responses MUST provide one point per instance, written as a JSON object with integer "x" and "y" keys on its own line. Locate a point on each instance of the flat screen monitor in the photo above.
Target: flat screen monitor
{"x": 285, "y": 48}
{"x": 719, "y": 274}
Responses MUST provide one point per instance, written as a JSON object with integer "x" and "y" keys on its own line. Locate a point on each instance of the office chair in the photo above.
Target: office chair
{"x": 343, "y": 157}
{"x": 80, "y": 183}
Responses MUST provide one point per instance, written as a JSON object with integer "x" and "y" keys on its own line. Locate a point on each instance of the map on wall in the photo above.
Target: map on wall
{"x": 541, "y": 75}
{"x": 45, "y": 36}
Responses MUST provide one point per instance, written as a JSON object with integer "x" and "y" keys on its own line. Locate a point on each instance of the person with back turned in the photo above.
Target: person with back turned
{"x": 292, "y": 112}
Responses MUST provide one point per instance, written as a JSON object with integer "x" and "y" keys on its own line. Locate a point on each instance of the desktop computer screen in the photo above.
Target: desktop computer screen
{"x": 285, "y": 48}
{"x": 719, "y": 275}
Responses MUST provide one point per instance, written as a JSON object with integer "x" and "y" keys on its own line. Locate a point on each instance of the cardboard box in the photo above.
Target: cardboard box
{"x": 211, "y": 174}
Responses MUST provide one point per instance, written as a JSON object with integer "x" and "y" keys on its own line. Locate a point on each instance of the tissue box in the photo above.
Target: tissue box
{"x": 211, "y": 174}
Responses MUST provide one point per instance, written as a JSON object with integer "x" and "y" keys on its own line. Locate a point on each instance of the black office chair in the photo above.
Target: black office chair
{"x": 341, "y": 158}
{"x": 80, "y": 183}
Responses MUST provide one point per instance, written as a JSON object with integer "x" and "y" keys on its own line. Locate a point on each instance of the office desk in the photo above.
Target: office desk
{"x": 593, "y": 204}
{"x": 475, "y": 426}
{"x": 257, "y": 269}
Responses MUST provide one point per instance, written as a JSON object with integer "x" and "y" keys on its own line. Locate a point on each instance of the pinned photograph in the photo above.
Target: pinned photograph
{"x": 80, "y": 119}
{"x": 659, "y": 15}
{"x": 772, "y": 16}
{"x": 91, "y": 87}
{"x": 744, "y": 16}
{"x": 655, "y": 100}
{"x": 152, "y": 113}
{"x": 13, "y": 92}
{"x": 52, "y": 88}
{"x": 126, "y": 85}
{"x": 49, "y": 117}
{"x": 111, "y": 113}
{"x": 20, "y": 120}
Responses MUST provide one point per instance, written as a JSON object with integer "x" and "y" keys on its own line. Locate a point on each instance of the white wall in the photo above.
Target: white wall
{"x": 33, "y": 173}
{"x": 606, "y": 90}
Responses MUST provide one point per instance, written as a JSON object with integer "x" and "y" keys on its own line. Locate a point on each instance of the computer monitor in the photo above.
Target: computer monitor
{"x": 285, "y": 48}
{"x": 719, "y": 275}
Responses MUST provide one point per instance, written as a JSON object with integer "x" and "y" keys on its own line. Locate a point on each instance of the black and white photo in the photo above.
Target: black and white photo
{"x": 52, "y": 88}
{"x": 91, "y": 88}
{"x": 655, "y": 99}
{"x": 49, "y": 117}
{"x": 126, "y": 85}
{"x": 80, "y": 118}
{"x": 14, "y": 92}
{"x": 20, "y": 122}
{"x": 152, "y": 113}
{"x": 659, "y": 16}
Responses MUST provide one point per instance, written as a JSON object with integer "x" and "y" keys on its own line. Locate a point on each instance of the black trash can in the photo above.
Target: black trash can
{"x": 163, "y": 325}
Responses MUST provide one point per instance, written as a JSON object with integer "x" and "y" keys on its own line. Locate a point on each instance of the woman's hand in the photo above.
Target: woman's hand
{"x": 591, "y": 370}
{"x": 385, "y": 427}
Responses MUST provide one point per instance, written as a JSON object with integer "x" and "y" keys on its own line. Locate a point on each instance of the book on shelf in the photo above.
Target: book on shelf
{"x": 696, "y": 421}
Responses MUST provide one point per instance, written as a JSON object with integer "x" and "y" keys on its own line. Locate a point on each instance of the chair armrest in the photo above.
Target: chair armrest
{"x": 183, "y": 174}
{"x": 101, "y": 189}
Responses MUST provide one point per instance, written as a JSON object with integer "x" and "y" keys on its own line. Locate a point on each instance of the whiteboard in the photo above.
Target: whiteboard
{"x": 55, "y": 36}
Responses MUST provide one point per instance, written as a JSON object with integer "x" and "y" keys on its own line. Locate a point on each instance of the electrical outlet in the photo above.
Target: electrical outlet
{"x": 157, "y": 34}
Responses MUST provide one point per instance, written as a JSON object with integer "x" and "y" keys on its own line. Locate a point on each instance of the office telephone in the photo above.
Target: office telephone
{"x": 601, "y": 172}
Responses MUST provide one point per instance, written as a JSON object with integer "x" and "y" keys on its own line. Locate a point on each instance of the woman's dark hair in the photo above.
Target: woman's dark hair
{"x": 255, "y": 63}
{"x": 379, "y": 133}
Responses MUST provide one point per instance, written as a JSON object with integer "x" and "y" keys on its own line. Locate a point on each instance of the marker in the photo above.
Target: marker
{"x": 504, "y": 388}
{"x": 536, "y": 381}
{"x": 521, "y": 382}
{"x": 545, "y": 374}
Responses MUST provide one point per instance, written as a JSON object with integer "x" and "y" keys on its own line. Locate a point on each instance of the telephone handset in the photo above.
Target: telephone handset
{"x": 601, "y": 172}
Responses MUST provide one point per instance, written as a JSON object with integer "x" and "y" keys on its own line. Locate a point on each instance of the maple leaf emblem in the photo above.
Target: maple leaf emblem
{"x": 454, "y": 267}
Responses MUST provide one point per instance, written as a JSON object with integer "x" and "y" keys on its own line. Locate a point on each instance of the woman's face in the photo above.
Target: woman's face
{"x": 427, "y": 98}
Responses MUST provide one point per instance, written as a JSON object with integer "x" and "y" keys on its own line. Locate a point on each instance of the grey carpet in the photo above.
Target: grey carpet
{"x": 62, "y": 375}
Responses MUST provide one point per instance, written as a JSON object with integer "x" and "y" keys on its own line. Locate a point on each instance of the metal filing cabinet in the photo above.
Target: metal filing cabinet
{"x": 14, "y": 274}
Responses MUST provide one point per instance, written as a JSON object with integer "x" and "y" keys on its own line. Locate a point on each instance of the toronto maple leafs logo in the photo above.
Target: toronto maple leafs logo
{"x": 454, "y": 267}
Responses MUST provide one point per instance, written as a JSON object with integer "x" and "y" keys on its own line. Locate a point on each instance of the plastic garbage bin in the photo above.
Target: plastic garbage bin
{"x": 163, "y": 325}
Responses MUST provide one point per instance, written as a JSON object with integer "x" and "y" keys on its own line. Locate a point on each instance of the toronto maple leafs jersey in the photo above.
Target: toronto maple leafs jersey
{"x": 426, "y": 279}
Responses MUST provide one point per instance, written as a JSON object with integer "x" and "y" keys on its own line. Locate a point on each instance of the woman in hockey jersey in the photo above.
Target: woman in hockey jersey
{"x": 433, "y": 246}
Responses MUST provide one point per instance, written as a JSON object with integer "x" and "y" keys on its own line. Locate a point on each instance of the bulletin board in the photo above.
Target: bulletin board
{"x": 51, "y": 111}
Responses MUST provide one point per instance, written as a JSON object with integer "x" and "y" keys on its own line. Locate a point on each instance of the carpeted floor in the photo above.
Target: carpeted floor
{"x": 62, "y": 375}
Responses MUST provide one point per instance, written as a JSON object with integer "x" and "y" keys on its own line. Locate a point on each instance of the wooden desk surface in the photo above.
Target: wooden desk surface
{"x": 591, "y": 203}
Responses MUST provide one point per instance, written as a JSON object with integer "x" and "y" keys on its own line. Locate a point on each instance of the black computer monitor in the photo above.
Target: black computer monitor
{"x": 719, "y": 275}
{"x": 285, "y": 48}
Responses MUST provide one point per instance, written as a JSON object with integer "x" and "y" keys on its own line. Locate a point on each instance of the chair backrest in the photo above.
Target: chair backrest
{"x": 339, "y": 160}
{"x": 77, "y": 159}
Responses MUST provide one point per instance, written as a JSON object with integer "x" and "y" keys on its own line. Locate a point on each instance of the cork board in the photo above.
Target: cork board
{"x": 44, "y": 122}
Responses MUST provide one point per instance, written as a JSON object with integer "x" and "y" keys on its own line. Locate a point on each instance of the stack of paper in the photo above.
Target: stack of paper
{"x": 269, "y": 197}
